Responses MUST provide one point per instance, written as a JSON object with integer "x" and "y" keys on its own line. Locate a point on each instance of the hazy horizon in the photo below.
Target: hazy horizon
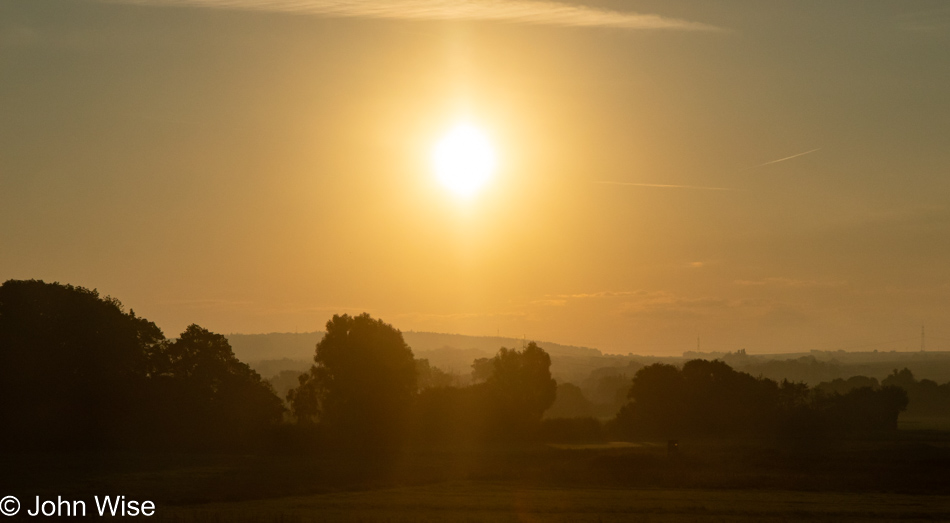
{"x": 762, "y": 176}
{"x": 888, "y": 347}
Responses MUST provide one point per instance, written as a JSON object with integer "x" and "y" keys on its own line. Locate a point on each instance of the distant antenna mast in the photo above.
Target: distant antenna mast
{"x": 697, "y": 343}
{"x": 923, "y": 346}
{"x": 524, "y": 341}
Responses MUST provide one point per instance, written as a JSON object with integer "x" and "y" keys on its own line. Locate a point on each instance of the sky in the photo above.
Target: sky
{"x": 768, "y": 176}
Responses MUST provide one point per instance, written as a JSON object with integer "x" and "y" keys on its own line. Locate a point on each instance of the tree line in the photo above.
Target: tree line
{"x": 78, "y": 372}
{"x": 710, "y": 398}
{"x": 926, "y": 398}
{"x": 365, "y": 388}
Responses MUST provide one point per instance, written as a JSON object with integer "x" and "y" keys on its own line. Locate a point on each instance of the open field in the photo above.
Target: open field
{"x": 476, "y": 501}
{"x": 896, "y": 479}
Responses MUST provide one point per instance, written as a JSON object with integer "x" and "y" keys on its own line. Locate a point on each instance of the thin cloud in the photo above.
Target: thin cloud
{"x": 602, "y": 294}
{"x": 550, "y": 303}
{"x": 666, "y": 186}
{"x": 209, "y": 303}
{"x": 666, "y": 303}
{"x": 424, "y": 316}
{"x": 537, "y": 12}
{"x": 257, "y": 308}
{"x": 784, "y": 159}
{"x": 789, "y": 282}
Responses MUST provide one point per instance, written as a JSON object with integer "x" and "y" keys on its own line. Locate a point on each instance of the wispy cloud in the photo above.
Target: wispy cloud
{"x": 512, "y": 11}
{"x": 426, "y": 316}
{"x": 550, "y": 303}
{"x": 789, "y": 282}
{"x": 601, "y": 294}
{"x": 783, "y": 159}
{"x": 666, "y": 303}
{"x": 208, "y": 303}
{"x": 560, "y": 300}
{"x": 666, "y": 186}
{"x": 247, "y": 306}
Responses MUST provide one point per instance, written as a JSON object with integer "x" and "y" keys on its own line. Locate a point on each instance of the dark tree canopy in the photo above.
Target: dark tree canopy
{"x": 926, "y": 398}
{"x": 482, "y": 369}
{"x": 216, "y": 395}
{"x": 73, "y": 365}
{"x": 362, "y": 382}
{"x": 570, "y": 402}
{"x": 429, "y": 377}
{"x": 505, "y": 407}
{"x": 519, "y": 389}
{"x": 76, "y": 371}
{"x": 710, "y": 398}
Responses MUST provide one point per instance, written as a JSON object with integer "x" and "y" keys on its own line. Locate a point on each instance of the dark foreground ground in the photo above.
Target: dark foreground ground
{"x": 483, "y": 501}
{"x": 895, "y": 479}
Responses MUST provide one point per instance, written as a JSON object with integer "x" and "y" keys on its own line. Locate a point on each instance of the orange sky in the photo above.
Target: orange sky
{"x": 261, "y": 170}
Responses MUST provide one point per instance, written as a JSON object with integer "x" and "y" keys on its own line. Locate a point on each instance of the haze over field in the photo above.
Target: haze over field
{"x": 770, "y": 176}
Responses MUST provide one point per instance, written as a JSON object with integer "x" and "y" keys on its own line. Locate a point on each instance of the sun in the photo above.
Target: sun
{"x": 464, "y": 160}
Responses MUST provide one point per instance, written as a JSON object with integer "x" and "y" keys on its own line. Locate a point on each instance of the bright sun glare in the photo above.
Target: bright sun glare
{"x": 464, "y": 160}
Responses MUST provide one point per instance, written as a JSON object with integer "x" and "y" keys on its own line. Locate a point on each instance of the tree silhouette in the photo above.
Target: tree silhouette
{"x": 482, "y": 369}
{"x": 505, "y": 407}
{"x": 570, "y": 402}
{"x": 519, "y": 390}
{"x": 429, "y": 377}
{"x": 217, "y": 396}
{"x": 73, "y": 365}
{"x": 362, "y": 382}
{"x": 658, "y": 398}
{"x": 77, "y": 372}
{"x": 711, "y": 398}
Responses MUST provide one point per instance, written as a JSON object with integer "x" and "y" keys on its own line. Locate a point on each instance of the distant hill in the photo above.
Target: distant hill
{"x": 271, "y": 353}
{"x": 455, "y": 352}
{"x": 817, "y": 366}
{"x": 428, "y": 341}
{"x": 275, "y": 345}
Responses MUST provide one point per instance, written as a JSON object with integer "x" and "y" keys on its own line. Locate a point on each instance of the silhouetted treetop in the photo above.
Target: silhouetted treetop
{"x": 570, "y": 402}
{"x": 926, "y": 398}
{"x": 523, "y": 379}
{"x": 72, "y": 364}
{"x": 429, "y": 377}
{"x": 362, "y": 381}
{"x": 482, "y": 369}
{"x": 76, "y": 371}
{"x": 213, "y": 388}
{"x": 711, "y": 398}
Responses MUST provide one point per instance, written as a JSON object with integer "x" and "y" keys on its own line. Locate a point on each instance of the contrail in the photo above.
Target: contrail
{"x": 783, "y": 159}
{"x": 538, "y": 12}
{"x": 669, "y": 186}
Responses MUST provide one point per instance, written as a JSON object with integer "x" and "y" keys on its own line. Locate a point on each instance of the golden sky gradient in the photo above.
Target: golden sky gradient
{"x": 259, "y": 165}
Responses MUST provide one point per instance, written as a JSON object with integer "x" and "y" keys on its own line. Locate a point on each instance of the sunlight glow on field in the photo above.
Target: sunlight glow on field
{"x": 464, "y": 160}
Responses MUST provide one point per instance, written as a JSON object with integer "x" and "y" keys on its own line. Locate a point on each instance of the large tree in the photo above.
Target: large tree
{"x": 73, "y": 365}
{"x": 77, "y": 371}
{"x": 362, "y": 382}
{"x": 214, "y": 396}
{"x": 707, "y": 398}
{"x": 518, "y": 390}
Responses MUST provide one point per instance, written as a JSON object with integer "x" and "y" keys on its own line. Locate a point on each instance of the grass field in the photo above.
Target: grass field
{"x": 475, "y": 501}
{"x": 903, "y": 478}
